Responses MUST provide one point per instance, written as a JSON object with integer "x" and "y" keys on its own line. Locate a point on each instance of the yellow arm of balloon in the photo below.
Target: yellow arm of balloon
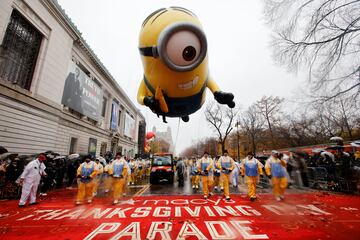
{"x": 160, "y": 97}
{"x": 141, "y": 93}
{"x": 212, "y": 85}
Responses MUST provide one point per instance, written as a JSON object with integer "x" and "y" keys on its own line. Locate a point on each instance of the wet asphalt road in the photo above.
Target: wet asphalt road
{"x": 143, "y": 187}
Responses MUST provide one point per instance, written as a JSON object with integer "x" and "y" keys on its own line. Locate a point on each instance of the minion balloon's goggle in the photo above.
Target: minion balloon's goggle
{"x": 182, "y": 46}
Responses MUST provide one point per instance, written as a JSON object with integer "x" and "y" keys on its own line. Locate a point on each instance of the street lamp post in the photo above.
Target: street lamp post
{"x": 238, "y": 140}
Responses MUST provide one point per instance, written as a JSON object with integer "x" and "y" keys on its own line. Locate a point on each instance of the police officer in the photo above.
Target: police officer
{"x": 118, "y": 170}
{"x": 30, "y": 180}
{"x": 194, "y": 173}
{"x": 205, "y": 166}
{"x": 251, "y": 168}
{"x": 86, "y": 173}
{"x": 227, "y": 164}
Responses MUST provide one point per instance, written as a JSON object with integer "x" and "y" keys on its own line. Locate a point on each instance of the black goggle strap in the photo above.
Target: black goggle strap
{"x": 149, "y": 51}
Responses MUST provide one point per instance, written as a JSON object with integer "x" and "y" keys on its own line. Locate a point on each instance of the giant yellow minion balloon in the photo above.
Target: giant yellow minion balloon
{"x": 174, "y": 55}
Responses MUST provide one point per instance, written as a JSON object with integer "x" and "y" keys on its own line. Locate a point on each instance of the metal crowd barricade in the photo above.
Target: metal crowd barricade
{"x": 264, "y": 182}
{"x": 317, "y": 177}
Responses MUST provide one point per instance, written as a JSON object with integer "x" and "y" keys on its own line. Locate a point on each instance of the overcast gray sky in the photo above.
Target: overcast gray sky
{"x": 238, "y": 48}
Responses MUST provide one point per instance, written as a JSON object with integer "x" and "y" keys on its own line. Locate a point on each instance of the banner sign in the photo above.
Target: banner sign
{"x": 81, "y": 93}
{"x": 129, "y": 129}
{"x": 114, "y": 116}
{"x": 300, "y": 216}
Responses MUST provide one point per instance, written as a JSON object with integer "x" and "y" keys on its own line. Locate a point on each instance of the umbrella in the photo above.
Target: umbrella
{"x": 336, "y": 139}
{"x": 355, "y": 143}
{"x": 336, "y": 147}
{"x": 328, "y": 154}
{"x": 3, "y": 150}
{"x": 8, "y": 155}
{"x": 317, "y": 150}
{"x": 286, "y": 157}
{"x": 102, "y": 160}
{"x": 73, "y": 156}
{"x": 59, "y": 157}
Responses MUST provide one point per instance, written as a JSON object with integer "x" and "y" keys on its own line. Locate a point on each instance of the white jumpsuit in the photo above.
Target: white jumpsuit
{"x": 235, "y": 175}
{"x": 32, "y": 176}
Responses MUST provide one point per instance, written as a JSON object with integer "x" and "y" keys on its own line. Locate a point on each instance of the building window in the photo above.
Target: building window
{"x": 119, "y": 119}
{"x": 19, "y": 51}
{"x": 73, "y": 145}
{"x": 103, "y": 149}
{"x": 92, "y": 146}
{"x": 104, "y": 103}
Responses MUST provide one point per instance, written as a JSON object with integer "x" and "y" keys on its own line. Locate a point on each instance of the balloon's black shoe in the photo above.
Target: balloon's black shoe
{"x": 185, "y": 118}
{"x": 225, "y": 98}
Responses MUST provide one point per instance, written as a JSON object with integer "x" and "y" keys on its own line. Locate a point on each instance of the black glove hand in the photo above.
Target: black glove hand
{"x": 206, "y": 171}
{"x": 225, "y": 98}
{"x": 269, "y": 176}
{"x": 153, "y": 104}
{"x": 88, "y": 178}
{"x": 242, "y": 176}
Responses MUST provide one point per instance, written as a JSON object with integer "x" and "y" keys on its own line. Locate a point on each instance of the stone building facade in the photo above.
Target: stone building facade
{"x": 55, "y": 94}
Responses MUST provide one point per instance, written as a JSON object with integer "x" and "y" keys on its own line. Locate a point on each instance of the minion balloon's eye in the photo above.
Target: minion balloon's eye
{"x": 183, "y": 48}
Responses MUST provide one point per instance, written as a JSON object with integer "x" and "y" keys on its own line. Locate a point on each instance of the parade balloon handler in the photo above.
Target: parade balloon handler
{"x": 118, "y": 170}
{"x": 251, "y": 168}
{"x": 30, "y": 180}
{"x": 86, "y": 173}
{"x": 205, "y": 166}
{"x": 140, "y": 168}
{"x": 276, "y": 170}
{"x": 226, "y": 164}
{"x": 99, "y": 171}
{"x": 173, "y": 50}
{"x": 218, "y": 182}
{"x": 107, "y": 178}
{"x": 127, "y": 178}
{"x": 132, "y": 166}
{"x": 194, "y": 174}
